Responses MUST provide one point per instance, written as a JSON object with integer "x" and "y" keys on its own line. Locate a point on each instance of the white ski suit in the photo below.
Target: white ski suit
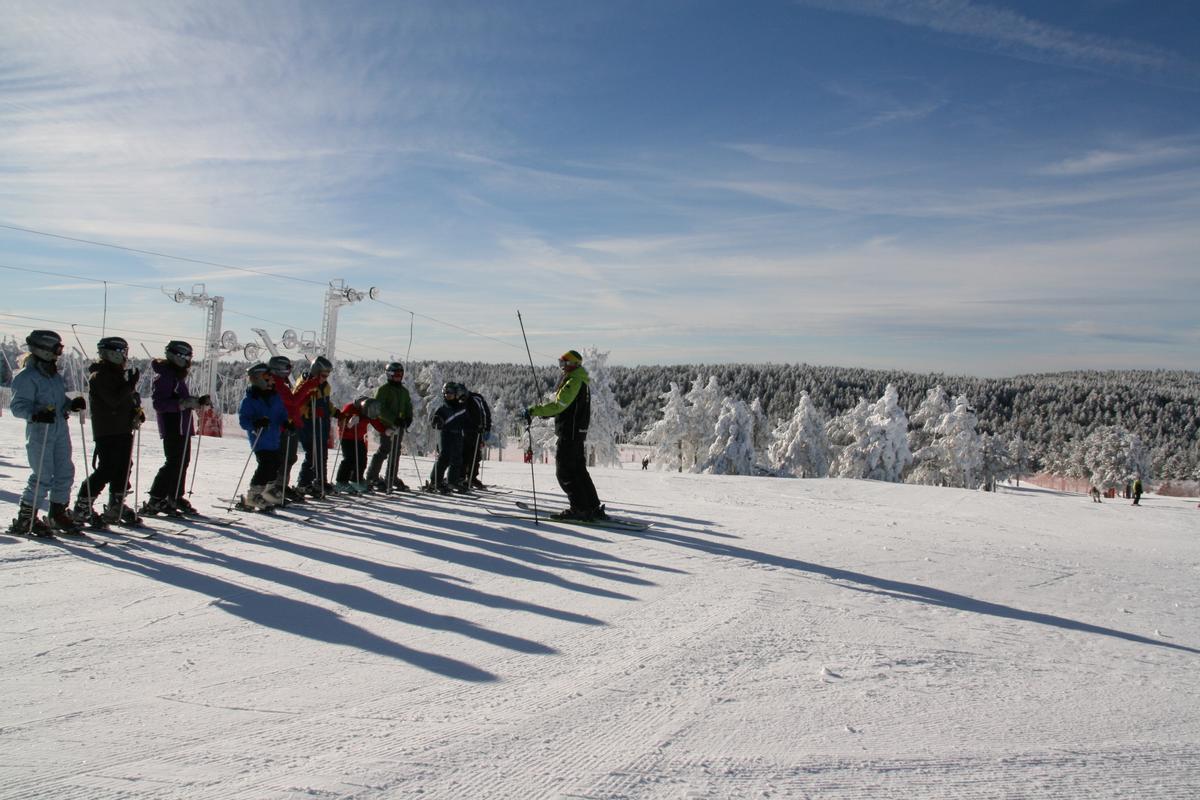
{"x": 47, "y": 445}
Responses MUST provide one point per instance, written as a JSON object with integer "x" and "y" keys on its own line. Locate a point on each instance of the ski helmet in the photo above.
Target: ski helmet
{"x": 370, "y": 407}
{"x": 322, "y": 364}
{"x": 571, "y": 358}
{"x": 45, "y": 345}
{"x": 280, "y": 365}
{"x": 394, "y": 371}
{"x": 259, "y": 376}
{"x": 112, "y": 349}
{"x": 450, "y": 389}
{"x": 179, "y": 353}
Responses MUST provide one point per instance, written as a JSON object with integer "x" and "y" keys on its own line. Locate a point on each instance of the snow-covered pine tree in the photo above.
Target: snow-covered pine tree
{"x": 1112, "y": 457}
{"x": 996, "y": 463}
{"x": 605, "y": 425}
{"x": 925, "y": 469}
{"x": 704, "y": 408}
{"x": 957, "y": 447}
{"x": 762, "y": 429}
{"x": 732, "y": 450}
{"x": 668, "y": 434}
{"x": 800, "y": 445}
{"x": 1020, "y": 457}
{"x": 887, "y": 443}
{"x": 844, "y": 432}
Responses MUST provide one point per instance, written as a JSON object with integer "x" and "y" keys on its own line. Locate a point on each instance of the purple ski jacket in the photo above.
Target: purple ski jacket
{"x": 169, "y": 387}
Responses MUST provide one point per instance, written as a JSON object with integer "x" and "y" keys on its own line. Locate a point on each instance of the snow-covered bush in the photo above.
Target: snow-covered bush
{"x": 732, "y": 450}
{"x": 800, "y": 446}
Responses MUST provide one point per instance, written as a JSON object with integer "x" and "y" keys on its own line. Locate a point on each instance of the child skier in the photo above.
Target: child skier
{"x": 173, "y": 404}
{"x": 39, "y": 397}
{"x": 116, "y": 410}
{"x": 317, "y": 412}
{"x": 262, "y": 415}
{"x": 294, "y": 398}
{"x": 356, "y": 419}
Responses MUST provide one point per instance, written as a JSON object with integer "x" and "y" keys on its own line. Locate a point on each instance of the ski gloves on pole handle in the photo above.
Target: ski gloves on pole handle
{"x": 47, "y": 416}
{"x": 77, "y": 404}
{"x": 261, "y": 423}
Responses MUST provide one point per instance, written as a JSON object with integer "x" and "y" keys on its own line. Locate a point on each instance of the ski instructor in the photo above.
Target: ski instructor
{"x": 572, "y": 411}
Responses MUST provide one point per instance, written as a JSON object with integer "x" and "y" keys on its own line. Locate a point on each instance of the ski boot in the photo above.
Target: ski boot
{"x": 342, "y": 487}
{"x": 271, "y": 495}
{"x": 293, "y": 494}
{"x": 159, "y": 505}
{"x": 27, "y": 523}
{"x": 61, "y": 520}
{"x": 571, "y": 515}
{"x": 86, "y": 515}
{"x": 185, "y": 508}
{"x": 116, "y": 513}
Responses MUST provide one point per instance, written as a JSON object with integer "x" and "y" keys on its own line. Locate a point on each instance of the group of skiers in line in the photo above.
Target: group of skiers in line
{"x": 281, "y": 416}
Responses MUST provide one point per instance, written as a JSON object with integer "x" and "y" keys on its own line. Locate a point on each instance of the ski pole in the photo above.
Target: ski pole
{"x": 233, "y": 500}
{"x": 37, "y": 479}
{"x": 185, "y": 430}
{"x": 137, "y": 467}
{"x": 87, "y": 481}
{"x": 196, "y": 463}
{"x": 529, "y": 423}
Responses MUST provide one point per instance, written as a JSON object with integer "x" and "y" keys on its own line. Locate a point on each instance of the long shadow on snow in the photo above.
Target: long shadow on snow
{"x": 431, "y": 583}
{"x": 363, "y": 600}
{"x": 553, "y": 501}
{"x": 906, "y": 591}
{"x": 510, "y": 565}
{"x": 273, "y": 611}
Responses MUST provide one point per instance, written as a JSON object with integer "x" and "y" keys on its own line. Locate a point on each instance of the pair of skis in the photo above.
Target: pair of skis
{"x": 610, "y": 523}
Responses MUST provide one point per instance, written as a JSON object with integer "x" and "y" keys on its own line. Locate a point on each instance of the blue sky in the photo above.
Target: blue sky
{"x": 968, "y": 187}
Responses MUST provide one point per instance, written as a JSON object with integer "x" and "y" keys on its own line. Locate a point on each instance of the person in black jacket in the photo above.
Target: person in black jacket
{"x": 452, "y": 420}
{"x": 572, "y": 412}
{"x": 116, "y": 411}
{"x": 478, "y": 429}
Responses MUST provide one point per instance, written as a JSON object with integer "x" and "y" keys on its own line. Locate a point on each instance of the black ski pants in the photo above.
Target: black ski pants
{"x": 113, "y": 460}
{"x": 354, "y": 461}
{"x": 169, "y": 482}
{"x": 266, "y": 469}
{"x": 450, "y": 458}
{"x": 570, "y": 467}
{"x": 389, "y": 451}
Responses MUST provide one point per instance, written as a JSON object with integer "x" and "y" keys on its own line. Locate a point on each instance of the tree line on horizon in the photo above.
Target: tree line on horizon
{"x": 1052, "y": 415}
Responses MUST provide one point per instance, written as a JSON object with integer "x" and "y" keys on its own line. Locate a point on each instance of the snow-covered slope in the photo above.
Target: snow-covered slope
{"x": 765, "y": 638}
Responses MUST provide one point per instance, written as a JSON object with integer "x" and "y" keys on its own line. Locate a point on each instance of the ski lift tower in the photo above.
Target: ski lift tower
{"x": 338, "y": 295}
{"x": 216, "y": 344}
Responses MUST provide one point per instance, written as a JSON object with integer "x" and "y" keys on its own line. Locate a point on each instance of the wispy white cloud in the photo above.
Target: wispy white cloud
{"x": 1145, "y": 154}
{"x": 1020, "y": 36}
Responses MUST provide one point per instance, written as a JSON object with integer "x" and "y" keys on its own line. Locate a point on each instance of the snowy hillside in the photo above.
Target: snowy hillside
{"x": 765, "y": 638}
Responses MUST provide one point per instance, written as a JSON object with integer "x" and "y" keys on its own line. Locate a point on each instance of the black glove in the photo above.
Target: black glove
{"x": 78, "y": 404}
{"x": 261, "y": 423}
{"x": 204, "y": 400}
{"x": 46, "y": 415}
{"x": 289, "y": 426}
{"x": 132, "y": 376}
{"x": 437, "y": 423}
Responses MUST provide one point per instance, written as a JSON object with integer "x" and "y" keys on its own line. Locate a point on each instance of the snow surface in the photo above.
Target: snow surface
{"x": 766, "y": 638}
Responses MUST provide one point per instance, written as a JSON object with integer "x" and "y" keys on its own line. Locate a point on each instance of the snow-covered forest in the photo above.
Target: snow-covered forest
{"x": 812, "y": 421}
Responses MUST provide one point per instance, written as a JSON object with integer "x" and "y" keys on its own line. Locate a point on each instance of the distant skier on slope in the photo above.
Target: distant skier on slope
{"x": 39, "y": 397}
{"x": 572, "y": 411}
